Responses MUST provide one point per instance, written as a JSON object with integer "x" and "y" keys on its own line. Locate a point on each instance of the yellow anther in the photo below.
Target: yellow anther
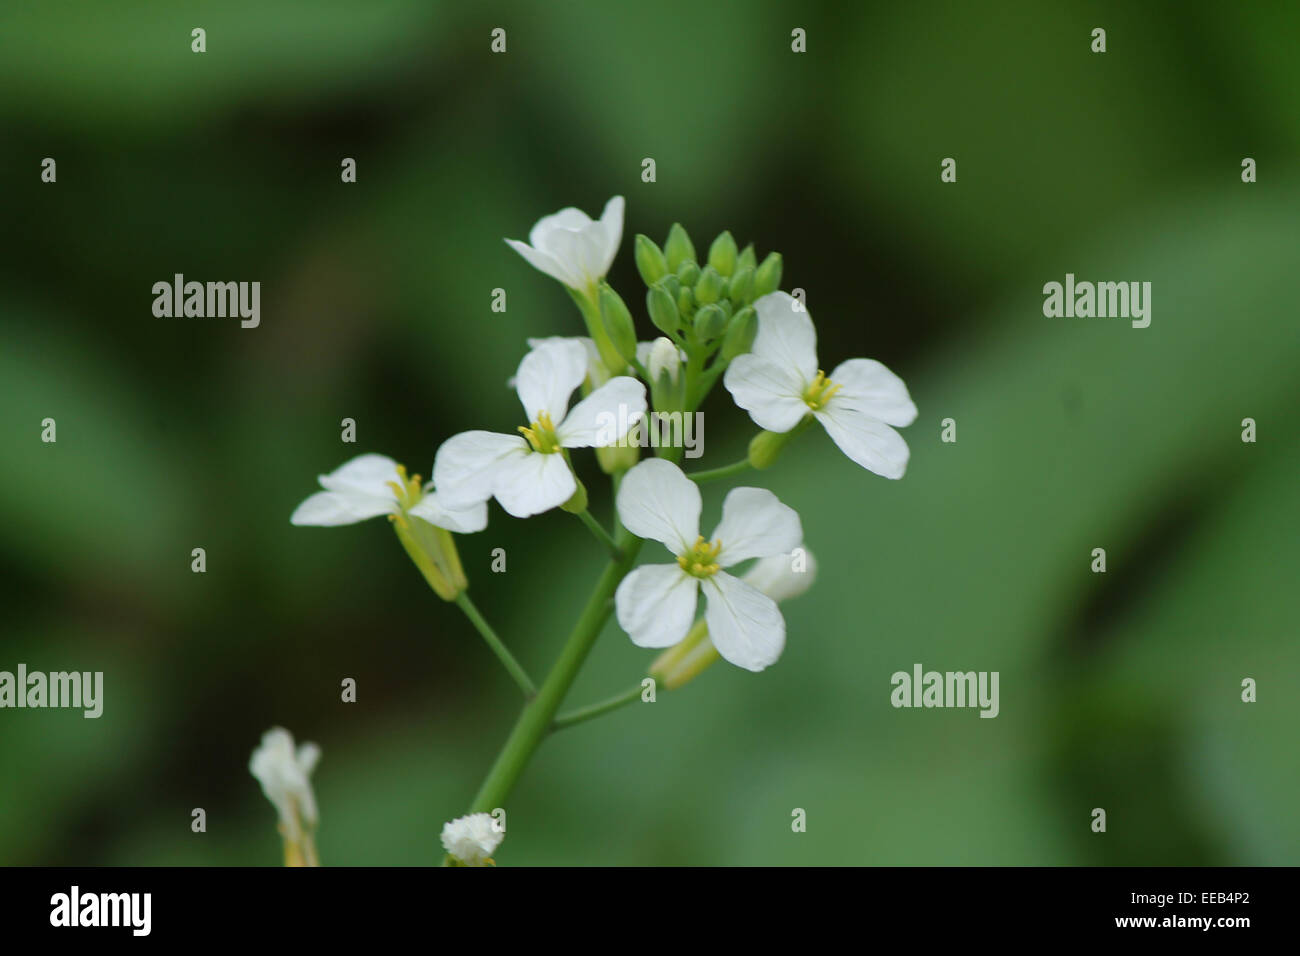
{"x": 541, "y": 434}
{"x": 406, "y": 490}
{"x": 701, "y": 560}
{"x": 820, "y": 391}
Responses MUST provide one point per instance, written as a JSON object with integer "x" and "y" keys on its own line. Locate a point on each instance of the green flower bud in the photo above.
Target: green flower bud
{"x": 663, "y": 310}
{"x": 741, "y": 331}
{"x": 747, "y": 258}
{"x": 616, "y": 459}
{"x": 741, "y": 290}
{"x": 678, "y": 248}
{"x": 650, "y": 261}
{"x": 722, "y": 254}
{"x": 689, "y": 273}
{"x": 768, "y": 277}
{"x": 577, "y": 503}
{"x": 686, "y": 302}
{"x": 767, "y": 446}
{"x": 710, "y": 322}
{"x": 709, "y": 287}
{"x": 618, "y": 322}
{"x": 672, "y": 284}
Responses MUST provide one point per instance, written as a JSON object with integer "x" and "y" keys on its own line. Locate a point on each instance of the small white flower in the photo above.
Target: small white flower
{"x": 373, "y": 485}
{"x": 529, "y": 474}
{"x": 779, "y": 384}
{"x": 656, "y": 602}
{"x": 285, "y": 778}
{"x": 572, "y": 248}
{"x": 662, "y": 356}
{"x": 472, "y": 839}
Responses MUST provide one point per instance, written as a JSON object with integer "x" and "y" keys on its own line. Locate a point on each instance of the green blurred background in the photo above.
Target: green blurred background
{"x": 1119, "y": 690}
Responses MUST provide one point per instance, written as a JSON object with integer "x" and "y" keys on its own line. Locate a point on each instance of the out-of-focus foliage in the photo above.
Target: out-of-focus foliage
{"x": 1119, "y": 691}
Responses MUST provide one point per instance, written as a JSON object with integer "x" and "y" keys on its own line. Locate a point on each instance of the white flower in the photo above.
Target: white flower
{"x": 570, "y": 247}
{"x": 530, "y": 474}
{"x": 284, "y": 775}
{"x": 779, "y": 384}
{"x": 656, "y": 602}
{"x": 662, "y": 356}
{"x": 472, "y": 839}
{"x": 373, "y": 485}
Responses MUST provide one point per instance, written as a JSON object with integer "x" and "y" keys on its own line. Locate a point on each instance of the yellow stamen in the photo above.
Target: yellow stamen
{"x": 820, "y": 391}
{"x": 701, "y": 560}
{"x": 541, "y": 434}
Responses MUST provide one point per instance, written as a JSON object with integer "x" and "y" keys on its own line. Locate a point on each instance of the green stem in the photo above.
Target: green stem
{"x": 724, "y": 472}
{"x": 539, "y": 713}
{"x": 578, "y": 715}
{"x": 498, "y": 648}
{"x": 601, "y": 534}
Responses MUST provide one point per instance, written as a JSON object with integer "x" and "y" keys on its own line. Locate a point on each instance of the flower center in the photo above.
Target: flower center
{"x": 702, "y": 560}
{"x": 407, "y": 491}
{"x": 541, "y": 434}
{"x": 821, "y": 391}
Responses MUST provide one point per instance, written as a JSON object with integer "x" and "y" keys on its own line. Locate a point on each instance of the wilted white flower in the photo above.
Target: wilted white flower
{"x": 571, "y": 247}
{"x": 530, "y": 474}
{"x": 656, "y": 602}
{"x": 473, "y": 839}
{"x": 285, "y": 776}
{"x": 779, "y": 384}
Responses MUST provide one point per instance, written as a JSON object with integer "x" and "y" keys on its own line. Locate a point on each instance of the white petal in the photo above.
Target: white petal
{"x": 365, "y": 474}
{"x": 597, "y": 371}
{"x": 656, "y": 604}
{"x": 745, "y": 625}
{"x": 580, "y": 252}
{"x": 771, "y": 393}
{"x": 611, "y": 222}
{"x": 604, "y": 416}
{"x": 465, "y": 519}
{"x": 548, "y": 375}
{"x": 544, "y": 262}
{"x": 533, "y": 483}
{"x": 871, "y": 443}
{"x": 874, "y": 390}
{"x": 785, "y": 335}
{"x": 568, "y": 219}
{"x": 776, "y": 576}
{"x": 655, "y": 500}
{"x": 754, "y": 525}
{"x": 308, "y": 756}
{"x": 463, "y": 466}
{"x": 333, "y": 508}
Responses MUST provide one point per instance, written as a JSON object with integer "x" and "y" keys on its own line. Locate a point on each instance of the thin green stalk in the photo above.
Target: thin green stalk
{"x": 724, "y": 472}
{"x": 538, "y": 713}
{"x": 578, "y": 715}
{"x": 498, "y": 648}
{"x": 601, "y": 534}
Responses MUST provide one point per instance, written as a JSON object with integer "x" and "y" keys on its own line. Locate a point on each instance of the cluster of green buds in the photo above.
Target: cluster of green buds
{"x": 709, "y": 304}
{"x": 706, "y": 309}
